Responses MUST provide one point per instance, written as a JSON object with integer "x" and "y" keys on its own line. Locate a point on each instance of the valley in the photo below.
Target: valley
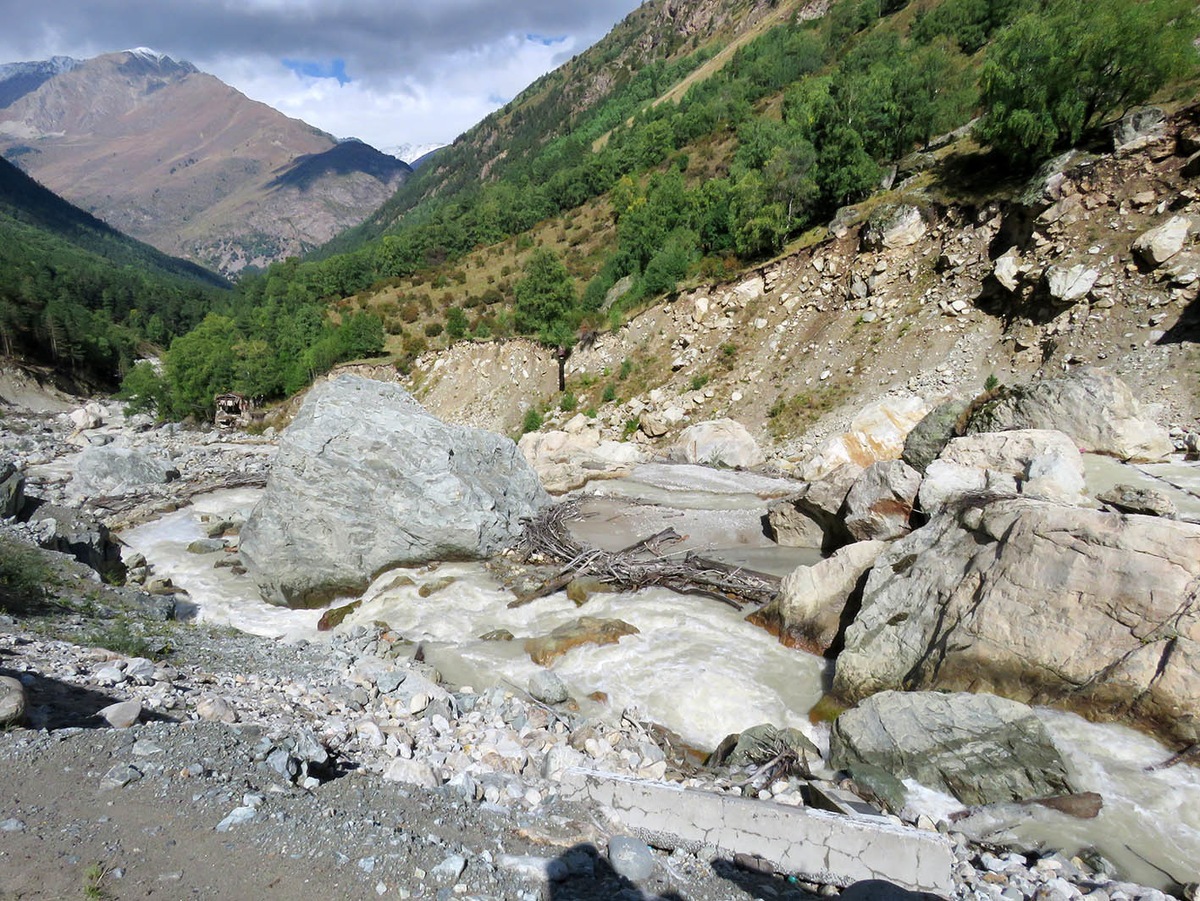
{"x": 761, "y": 459}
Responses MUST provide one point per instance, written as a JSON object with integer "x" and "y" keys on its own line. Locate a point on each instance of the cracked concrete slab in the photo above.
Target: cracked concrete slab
{"x": 815, "y": 845}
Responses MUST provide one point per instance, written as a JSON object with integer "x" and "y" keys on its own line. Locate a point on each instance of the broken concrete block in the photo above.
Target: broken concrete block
{"x": 814, "y": 845}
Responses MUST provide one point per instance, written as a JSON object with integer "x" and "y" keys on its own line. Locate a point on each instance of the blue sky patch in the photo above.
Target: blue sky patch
{"x": 544, "y": 40}
{"x": 333, "y": 69}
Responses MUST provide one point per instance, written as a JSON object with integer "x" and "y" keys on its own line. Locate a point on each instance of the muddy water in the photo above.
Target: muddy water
{"x": 220, "y": 596}
{"x": 695, "y": 666}
{"x": 1177, "y": 480}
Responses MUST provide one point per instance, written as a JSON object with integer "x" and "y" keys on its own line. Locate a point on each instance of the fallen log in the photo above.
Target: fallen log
{"x": 1185, "y": 754}
{"x": 640, "y": 565}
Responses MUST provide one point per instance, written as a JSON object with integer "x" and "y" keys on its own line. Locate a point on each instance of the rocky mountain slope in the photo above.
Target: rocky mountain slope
{"x": 179, "y": 159}
{"x": 908, "y": 295}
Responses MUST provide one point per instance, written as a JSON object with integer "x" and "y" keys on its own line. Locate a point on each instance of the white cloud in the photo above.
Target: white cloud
{"x": 420, "y": 72}
{"x": 434, "y": 105}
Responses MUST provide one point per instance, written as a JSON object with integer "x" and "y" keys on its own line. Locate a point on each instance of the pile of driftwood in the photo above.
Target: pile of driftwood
{"x": 641, "y": 565}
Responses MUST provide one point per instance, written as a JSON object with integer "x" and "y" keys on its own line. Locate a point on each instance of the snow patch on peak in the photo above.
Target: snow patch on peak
{"x": 149, "y": 53}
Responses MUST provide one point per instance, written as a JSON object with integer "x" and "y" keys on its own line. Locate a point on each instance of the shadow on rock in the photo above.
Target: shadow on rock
{"x": 54, "y": 704}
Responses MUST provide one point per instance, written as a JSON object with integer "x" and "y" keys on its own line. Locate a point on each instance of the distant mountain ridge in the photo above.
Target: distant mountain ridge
{"x": 413, "y": 153}
{"x": 178, "y": 159}
{"x": 19, "y": 79}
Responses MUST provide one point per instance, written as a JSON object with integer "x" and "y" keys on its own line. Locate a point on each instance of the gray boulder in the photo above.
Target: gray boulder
{"x": 1040, "y": 602}
{"x": 630, "y": 857}
{"x": 365, "y": 480}
{"x": 925, "y": 442}
{"x": 880, "y": 504}
{"x": 69, "y": 531}
{"x": 894, "y": 226}
{"x": 812, "y": 517}
{"x": 547, "y": 687}
{"x": 12, "y": 490}
{"x": 1131, "y": 499}
{"x": 980, "y": 748}
{"x": 113, "y": 469}
{"x": 1095, "y": 408}
{"x": 1069, "y": 284}
{"x": 1138, "y": 129}
{"x": 761, "y": 744}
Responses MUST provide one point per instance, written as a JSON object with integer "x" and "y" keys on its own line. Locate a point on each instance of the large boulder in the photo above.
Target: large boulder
{"x": 1040, "y": 462}
{"x": 12, "y": 490}
{"x": 980, "y": 748}
{"x": 719, "y": 442}
{"x": 1157, "y": 245}
{"x": 1139, "y": 128}
{"x": 925, "y": 442}
{"x": 1042, "y": 603}
{"x": 1010, "y": 452}
{"x": 568, "y": 459}
{"x": 877, "y": 433}
{"x": 113, "y": 469}
{"x": 12, "y": 702}
{"x": 365, "y": 479}
{"x": 1069, "y": 284}
{"x": 815, "y": 602}
{"x": 69, "y": 531}
{"x": 89, "y": 416}
{"x": 891, "y": 227}
{"x": 880, "y": 504}
{"x": 812, "y": 517}
{"x": 1095, "y": 408}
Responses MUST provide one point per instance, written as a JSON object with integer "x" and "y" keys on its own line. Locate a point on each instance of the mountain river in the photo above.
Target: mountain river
{"x": 695, "y": 666}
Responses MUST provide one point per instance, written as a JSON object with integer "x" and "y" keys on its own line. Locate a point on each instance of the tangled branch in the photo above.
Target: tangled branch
{"x": 641, "y": 565}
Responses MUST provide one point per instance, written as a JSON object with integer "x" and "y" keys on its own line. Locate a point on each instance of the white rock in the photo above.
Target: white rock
{"x": 719, "y": 442}
{"x": 122, "y": 715}
{"x": 411, "y": 772}
{"x": 1159, "y": 244}
{"x": 1070, "y": 283}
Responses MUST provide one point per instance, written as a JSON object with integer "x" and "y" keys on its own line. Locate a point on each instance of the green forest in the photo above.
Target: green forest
{"x": 814, "y": 113}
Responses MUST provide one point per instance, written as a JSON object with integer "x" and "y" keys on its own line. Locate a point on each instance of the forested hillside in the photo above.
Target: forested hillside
{"x": 699, "y": 137}
{"x": 77, "y": 293}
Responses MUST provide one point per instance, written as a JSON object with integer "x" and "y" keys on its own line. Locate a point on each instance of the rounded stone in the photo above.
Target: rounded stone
{"x": 547, "y": 687}
{"x": 631, "y": 858}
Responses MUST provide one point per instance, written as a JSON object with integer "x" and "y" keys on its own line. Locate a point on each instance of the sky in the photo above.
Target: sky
{"x": 390, "y": 73}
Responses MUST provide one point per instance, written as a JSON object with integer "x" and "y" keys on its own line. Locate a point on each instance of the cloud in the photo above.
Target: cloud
{"x": 388, "y": 71}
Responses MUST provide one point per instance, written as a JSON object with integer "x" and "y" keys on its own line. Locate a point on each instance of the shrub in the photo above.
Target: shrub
{"x": 433, "y": 329}
{"x": 532, "y": 422}
{"x": 568, "y": 402}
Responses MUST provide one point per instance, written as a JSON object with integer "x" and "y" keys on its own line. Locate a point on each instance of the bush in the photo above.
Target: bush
{"x": 609, "y": 394}
{"x": 456, "y": 323}
{"x": 433, "y": 329}
{"x": 568, "y": 402}
{"x": 1055, "y": 73}
{"x": 532, "y": 422}
{"x": 409, "y": 312}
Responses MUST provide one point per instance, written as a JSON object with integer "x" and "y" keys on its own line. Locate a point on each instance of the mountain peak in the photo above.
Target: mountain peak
{"x": 148, "y": 52}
